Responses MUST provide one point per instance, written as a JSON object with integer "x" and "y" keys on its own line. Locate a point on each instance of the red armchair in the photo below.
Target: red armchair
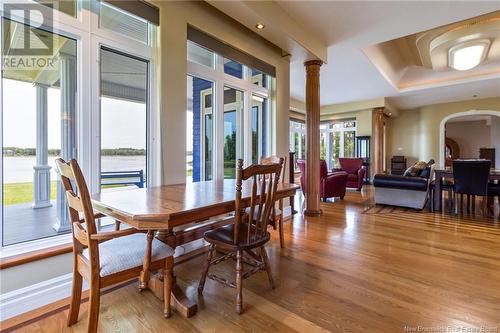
{"x": 331, "y": 185}
{"x": 355, "y": 171}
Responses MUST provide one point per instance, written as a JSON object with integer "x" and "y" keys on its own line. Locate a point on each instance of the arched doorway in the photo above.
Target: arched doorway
{"x": 442, "y": 139}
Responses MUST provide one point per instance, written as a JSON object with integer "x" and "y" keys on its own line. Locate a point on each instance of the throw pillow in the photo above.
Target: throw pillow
{"x": 415, "y": 169}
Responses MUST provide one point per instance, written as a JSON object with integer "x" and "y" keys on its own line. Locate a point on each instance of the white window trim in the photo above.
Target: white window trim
{"x": 84, "y": 28}
{"x": 220, "y": 80}
{"x": 342, "y": 131}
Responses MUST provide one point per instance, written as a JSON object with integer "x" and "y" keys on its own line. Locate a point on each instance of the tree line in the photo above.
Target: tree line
{"x": 16, "y": 151}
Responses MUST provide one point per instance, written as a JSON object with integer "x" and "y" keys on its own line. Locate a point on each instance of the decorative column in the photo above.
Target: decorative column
{"x": 312, "y": 138}
{"x": 378, "y": 140}
{"x": 41, "y": 177}
{"x": 67, "y": 81}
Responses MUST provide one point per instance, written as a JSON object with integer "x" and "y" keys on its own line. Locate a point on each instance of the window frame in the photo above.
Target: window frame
{"x": 220, "y": 80}
{"x": 89, "y": 36}
{"x": 330, "y": 128}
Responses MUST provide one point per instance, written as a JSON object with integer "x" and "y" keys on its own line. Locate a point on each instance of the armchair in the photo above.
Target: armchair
{"x": 355, "y": 171}
{"x": 331, "y": 185}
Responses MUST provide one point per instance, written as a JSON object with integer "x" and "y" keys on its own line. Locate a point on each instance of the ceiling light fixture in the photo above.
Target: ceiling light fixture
{"x": 260, "y": 26}
{"x": 468, "y": 55}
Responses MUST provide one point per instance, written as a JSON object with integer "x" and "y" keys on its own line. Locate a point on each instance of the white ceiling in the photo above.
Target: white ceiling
{"x": 348, "y": 27}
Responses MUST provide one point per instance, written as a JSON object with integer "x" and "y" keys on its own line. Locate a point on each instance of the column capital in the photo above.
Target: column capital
{"x": 310, "y": 63}
{"x": 379, "y": 110}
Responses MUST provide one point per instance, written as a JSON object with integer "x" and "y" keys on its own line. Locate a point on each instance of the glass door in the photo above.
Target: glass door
{"x": 124, "y": 119}
{"x": 259, "y": 128}
{"x": 233, "y": 129}
{"x": 38, "y": 119}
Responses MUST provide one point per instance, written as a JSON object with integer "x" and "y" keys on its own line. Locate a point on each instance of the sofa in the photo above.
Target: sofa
{"x": 403, "y": 191}
{"x": 331, "y": 185}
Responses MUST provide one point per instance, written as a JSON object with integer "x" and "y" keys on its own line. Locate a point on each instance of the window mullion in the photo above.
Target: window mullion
{"x": 218, "y": 111}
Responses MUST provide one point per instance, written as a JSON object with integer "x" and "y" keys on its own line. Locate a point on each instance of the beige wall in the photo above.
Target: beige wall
{"x": 415, "y": 133}
{"x": 174, "y": 19}
{"x": 363, "y": 120}
{"x": 470, "y": 136}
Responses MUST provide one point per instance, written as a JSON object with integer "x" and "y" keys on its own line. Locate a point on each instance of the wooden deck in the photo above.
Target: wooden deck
{"x": 357, "y": 268}
{"x": 23, "y": 223}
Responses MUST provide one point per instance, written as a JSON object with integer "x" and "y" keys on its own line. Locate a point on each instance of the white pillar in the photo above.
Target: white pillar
{"x": 67, "y": 81}
{"x": 41, "y": 178}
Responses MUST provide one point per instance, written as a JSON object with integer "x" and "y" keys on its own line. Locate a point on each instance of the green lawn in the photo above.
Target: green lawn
{"x": 15, "y": 193}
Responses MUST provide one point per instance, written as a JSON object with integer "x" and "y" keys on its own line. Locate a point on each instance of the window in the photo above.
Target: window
{"x": 124, "y": 117}
{"x": 337, "y": 140}
{"x": 298, "y": 140}
{"x": 78, "y": 99}
{"x": 228, "y": 114}
{"x": 259, "y": 128}
{"x": 259, "y": 78}
{"x": 200, "y": 129}
{"x": 233, "y": 134}
{"x": 38, "y": 125}
{"x": 119, "y": 21}
{"x": 233, "y": 68}
{"x": 200, "y": 55}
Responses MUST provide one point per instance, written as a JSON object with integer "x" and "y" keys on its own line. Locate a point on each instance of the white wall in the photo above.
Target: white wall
{"x": 470, "y": 136}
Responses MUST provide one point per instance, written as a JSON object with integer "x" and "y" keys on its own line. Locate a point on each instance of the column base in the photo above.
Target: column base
{"x": 313, "y": 212}
{"x": 41, "y": 205}
{"x": 61, "y": 227}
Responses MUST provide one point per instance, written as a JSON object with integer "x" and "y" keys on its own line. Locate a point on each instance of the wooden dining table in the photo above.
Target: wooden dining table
{"x": 442, "y": 173}
{"x": 174, "y": 211}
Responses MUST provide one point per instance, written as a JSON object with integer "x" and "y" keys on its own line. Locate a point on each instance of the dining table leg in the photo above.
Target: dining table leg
{"x": 438, "y": 192}
{"x": 181, "y": 302}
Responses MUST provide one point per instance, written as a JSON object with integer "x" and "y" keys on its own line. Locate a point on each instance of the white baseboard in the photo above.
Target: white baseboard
{"x": 287, "y": 212}
{"x": 35, "y": 296}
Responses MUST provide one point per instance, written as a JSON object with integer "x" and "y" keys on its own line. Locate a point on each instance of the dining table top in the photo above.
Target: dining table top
{"x": 448, "y": 171}
{"x": 167, "y": 206}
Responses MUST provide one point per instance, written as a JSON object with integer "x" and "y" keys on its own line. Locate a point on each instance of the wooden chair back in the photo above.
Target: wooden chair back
{"x": 79, "y": 204}
{"x": 273, "y": 159}
{"x": 265, "y": 179}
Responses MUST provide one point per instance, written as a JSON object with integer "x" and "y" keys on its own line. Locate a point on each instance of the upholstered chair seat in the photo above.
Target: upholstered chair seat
{"x": 114, "y": 259}
{"x": 355, "y": 171}
{"x": 332, "y": 185}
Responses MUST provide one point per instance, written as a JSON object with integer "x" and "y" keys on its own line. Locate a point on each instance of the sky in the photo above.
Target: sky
{"x": 123, "y": 123}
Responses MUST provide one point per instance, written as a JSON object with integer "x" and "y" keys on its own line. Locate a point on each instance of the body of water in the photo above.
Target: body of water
{"x": 19, "y": 169}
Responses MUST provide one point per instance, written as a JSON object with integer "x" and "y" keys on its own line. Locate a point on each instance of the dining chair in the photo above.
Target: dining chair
{"x": 107, "y": 258}
{"x": 471, "y": 178}
{"x": 276, "y": 213}
{"x": 493, "y": 191}
{"x": 246, "y": 238}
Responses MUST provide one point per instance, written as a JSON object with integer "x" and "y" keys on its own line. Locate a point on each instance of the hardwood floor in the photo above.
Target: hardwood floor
{"x": 357, "y": 268}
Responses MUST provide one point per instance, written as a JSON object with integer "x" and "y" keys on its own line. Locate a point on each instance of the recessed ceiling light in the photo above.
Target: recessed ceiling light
{"x": 260, "y": 26}
{"x": 468, "y": 55}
